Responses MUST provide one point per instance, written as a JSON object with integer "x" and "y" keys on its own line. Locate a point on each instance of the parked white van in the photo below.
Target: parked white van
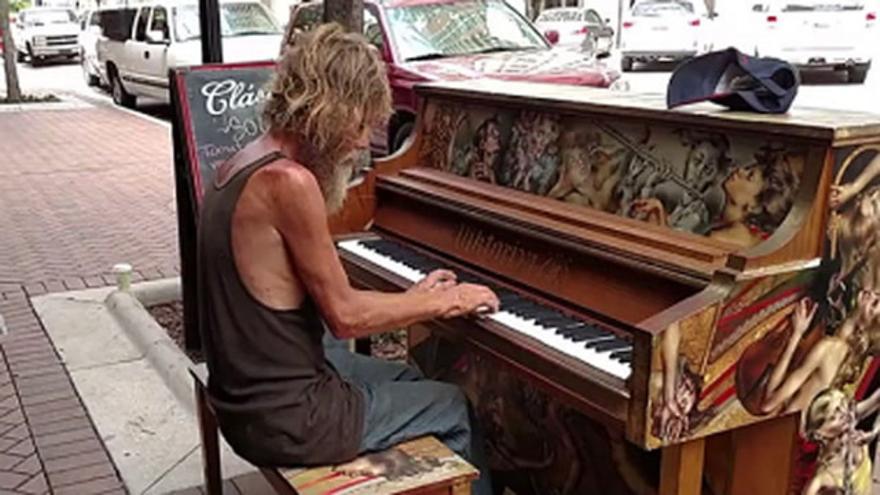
{"x": 159, "y": 36}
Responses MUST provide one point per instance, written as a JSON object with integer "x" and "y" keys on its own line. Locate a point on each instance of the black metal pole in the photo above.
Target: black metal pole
{"x": 209, "y": 23}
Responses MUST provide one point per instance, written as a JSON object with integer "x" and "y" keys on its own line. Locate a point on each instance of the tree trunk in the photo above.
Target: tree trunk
{"x": 13, "y": 90}
{"x": 348, "y": 13}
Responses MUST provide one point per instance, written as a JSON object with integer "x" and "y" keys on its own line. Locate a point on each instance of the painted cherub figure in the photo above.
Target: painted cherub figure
{"x": 675, "y": 412}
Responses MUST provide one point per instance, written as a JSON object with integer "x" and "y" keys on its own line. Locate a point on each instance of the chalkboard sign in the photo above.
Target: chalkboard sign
{"x": 219, "y": 109}
{"x": 216, "y": 113}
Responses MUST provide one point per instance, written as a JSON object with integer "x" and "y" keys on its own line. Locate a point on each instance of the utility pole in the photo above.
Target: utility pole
{"x": 619, "y": 23}
{"x": 348, "y": 13}
{"x": 209, "y": 23}
{"x": 13, "y": 89}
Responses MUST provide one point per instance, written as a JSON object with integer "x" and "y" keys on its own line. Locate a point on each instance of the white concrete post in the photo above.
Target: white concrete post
{"x": 123, "y": 275}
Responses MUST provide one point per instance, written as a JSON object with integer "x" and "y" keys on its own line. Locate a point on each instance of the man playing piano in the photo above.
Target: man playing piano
{"x": 269, "y": 273}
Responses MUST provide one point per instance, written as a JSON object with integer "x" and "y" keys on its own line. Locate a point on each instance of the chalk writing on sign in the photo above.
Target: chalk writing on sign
{"x": 229, "y": 94}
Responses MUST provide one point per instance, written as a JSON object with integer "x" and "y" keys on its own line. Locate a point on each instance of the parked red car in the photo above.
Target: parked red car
{"x": 430, "y": 40}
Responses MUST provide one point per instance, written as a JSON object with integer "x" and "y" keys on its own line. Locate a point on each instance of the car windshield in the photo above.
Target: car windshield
{"x": 662, "y": 8}
{"x": 434, "y": 30}
{"x": 236, "y": 19}
{"x": 44, "y": 17}
{"x": 821, "y": 6}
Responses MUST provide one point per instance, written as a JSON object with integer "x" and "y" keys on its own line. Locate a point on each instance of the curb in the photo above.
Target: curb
{"x": 128, "y": 307}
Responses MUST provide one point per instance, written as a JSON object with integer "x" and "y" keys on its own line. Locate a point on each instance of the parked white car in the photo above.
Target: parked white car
{"x": 150, "y": 39}
{"x": 818, "y": 34}
{"x": 577, "y": 26}
{"x": 664, "y": 30}
{"x": 42, "y": 33}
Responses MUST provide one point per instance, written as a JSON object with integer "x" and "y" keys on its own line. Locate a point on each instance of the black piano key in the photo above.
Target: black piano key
{"x": 506, "y": 295}
{"x": 612, "y": 345}
{"x": 624, "y": 356}
{"x": 584, "y": 332}
{"x": 542, "y": 315}
{"x": 560, "y": 321}
{"x": 593, "y": 342}
{"x": 549, "y": 321}
{"x": 576, "y": 334}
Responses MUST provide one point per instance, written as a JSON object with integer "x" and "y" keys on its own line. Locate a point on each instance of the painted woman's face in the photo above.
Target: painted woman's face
{"x": 744, "y": 185}
{"x": 837, "y": 421}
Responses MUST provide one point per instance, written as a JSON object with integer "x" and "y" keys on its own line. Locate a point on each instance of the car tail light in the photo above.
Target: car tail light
{"x": 772, "y": 18}
{"x": 695, "y": 22}
{"x": 870, "y": 16}
{"x": 583, "y": 30}
{"x": 628, "y": 24}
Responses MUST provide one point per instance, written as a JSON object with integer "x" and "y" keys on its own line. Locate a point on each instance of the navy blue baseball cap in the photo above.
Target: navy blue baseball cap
{"x": 735, "y": 80}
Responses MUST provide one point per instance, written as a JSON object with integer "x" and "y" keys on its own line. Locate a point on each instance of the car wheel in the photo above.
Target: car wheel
{"x": 20, "y": 56}
{"x": 34, "y": 61}
{"x": 120, "y": 96}
{"x": 626, "y": 64}
{"x": 400, "y": 136}
{"x": 91, "y": 79}
{"x": 857, "y": 74}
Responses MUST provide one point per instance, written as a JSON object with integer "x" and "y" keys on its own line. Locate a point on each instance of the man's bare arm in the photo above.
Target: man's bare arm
{"x": 350, "y": 313}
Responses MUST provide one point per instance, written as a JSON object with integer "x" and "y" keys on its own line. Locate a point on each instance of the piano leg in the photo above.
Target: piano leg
{"x": 763, "y": 457}
{"x": 681, "y": 468}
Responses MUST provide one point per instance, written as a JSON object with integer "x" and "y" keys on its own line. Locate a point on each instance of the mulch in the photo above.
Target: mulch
{"x": 390, "y": 346}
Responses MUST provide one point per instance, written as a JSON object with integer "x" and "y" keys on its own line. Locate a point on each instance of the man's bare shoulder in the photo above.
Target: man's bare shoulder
{"x": 289, "y": 185}
{"x": 285, "y": 176}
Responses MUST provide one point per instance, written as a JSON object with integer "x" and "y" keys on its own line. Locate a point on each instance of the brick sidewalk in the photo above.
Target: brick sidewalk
{"x": 80, "y": 191}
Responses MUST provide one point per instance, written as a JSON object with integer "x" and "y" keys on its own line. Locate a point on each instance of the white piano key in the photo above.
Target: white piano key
{"x": 526, "y": 326}
{"x": 396, "y": 267}
{"x": 578, "y": 350}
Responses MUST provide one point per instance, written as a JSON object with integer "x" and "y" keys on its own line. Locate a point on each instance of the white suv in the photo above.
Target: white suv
{"x": 141, "y": 44}
{"x": 42, "y": 33}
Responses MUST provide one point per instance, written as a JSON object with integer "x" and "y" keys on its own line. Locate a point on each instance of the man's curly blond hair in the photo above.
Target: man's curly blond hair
{"x": 327, "y": 86}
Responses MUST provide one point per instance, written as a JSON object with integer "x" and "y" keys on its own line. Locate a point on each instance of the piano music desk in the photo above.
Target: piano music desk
{"x": 432, "y": 469}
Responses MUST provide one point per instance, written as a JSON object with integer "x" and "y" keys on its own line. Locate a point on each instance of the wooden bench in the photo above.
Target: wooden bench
{"x": 422, "y": 466}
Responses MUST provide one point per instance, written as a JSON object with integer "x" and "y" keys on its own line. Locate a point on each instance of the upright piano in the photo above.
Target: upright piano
{"x": 658, "y": 273}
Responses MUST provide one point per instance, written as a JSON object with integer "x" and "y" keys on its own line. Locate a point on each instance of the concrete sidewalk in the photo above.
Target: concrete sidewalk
{"x": 82, "y": 187}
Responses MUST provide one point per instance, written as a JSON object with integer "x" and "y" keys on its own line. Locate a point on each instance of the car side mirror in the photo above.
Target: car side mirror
{"x": 552, "y": 36}
{"x": 157, "y": 37}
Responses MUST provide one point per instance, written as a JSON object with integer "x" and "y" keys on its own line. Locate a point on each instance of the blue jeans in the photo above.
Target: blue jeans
{"x": 401, "y": 404}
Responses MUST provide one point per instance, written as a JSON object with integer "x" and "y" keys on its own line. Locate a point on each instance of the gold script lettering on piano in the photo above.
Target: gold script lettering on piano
{"x": 482, "y": 244}
{"x": 658, "y": 273}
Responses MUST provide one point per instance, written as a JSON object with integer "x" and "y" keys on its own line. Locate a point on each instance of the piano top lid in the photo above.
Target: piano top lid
{"x": 836, "y": 126}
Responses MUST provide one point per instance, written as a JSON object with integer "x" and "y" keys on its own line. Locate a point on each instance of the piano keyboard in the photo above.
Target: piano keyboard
{"x": 581, "y": 340}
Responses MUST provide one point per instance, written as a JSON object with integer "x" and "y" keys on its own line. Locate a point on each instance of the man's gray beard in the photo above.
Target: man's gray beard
{"x": 334, "y": 183}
